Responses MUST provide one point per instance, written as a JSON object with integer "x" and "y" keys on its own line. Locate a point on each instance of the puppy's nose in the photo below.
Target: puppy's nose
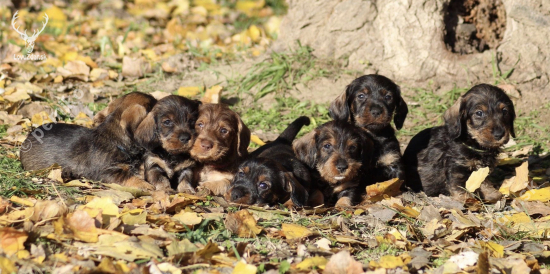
{"x": 341, "y": 165}
{"x": 376, "y": 111}
{"x": 184, "y": 137}
{"x": 207, "y": 145}
{"x": 498, "y": 133}
{"x": 236, "y": 194}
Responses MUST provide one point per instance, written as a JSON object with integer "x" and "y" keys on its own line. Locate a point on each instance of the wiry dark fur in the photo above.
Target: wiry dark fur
{"x": 370, "y": 102}
{"x": 106, "y": 153}
{"x": 439, "y": 160}
{"x": 340, "y": 155}
{"x": 272, "y": 174}
{"x": 168, "y": 133}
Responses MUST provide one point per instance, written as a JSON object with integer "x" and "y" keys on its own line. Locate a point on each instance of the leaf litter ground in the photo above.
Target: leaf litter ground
{"x": 95, "y": 53}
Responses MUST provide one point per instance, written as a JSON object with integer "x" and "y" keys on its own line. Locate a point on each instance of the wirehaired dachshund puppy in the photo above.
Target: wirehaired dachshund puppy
{"x": 168, "y": 133}
{"x": 106, "y": 153}
{"x": 221, "y": 144}
{"x": 272, "y": 174}
{"x": 370, "y": 102}
{"x": 439, "y": 160}
{"x": 340, "y": 154}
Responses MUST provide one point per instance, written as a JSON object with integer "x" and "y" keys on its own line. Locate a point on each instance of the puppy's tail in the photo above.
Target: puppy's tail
{"x": 292, "y": 130}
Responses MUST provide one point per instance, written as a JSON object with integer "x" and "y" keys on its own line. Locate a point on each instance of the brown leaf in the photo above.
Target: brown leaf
{"x": 135, "y": 67}
{"x": 521, "y": 181}
{"x": 12, "y": 240}
{"x": 243, "y": 224}
{"x": 379, "y": 191}
{"x": 293, "y": 231}
{"x": 343, "y": 263}
{"x": 212, "y": 95}
{"x": 44, "y": 210}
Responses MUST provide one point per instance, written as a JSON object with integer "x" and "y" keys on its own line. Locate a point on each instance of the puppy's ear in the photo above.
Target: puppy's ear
{"x": 453, "y": 118}
{"x": 131, "y": 118}
{"x": 243, "y": 138}
{"x": 513, "y": 117}
{"x": 339, "y": 109}
{"x": 146, "y": 132}
{"x": 401, "y": 110}
{"x": 305, "y": 148}
{"x": 298, "y": 193}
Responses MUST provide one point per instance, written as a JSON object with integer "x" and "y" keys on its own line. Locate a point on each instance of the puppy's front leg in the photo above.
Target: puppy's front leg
{"x": 489, "y": 193}
{"x": 157, "y": 172}
{"x": 217, "y": 188}
{"x": 124, "y": 175}
{"x": 184, "y": 179}
{"x": 456, "y": 182}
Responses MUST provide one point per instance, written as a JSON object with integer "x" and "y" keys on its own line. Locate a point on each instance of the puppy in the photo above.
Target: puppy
{"x": 220, "y": 146}
{"x": 439, "y": 160}
{"x": 106, "y": 153}
{"x": 340, "y": 154}
{"x": 168, "y": 133}
{"x": 122, "y": 103}
{"x": 272, "y": 174}
{"x": 370, "y": 102}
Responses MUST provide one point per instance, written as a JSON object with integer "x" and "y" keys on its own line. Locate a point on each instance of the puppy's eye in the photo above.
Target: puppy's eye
{"x": 263, "y": 185}
{"x": 352, "y": 148}
{"x": 361, "y": 96}
{"x": 223, "y": 130}
{"x": 387, "y": 97}
{"x": 479, "y": 113}
{"x": 167, "y": 123}
{"x": 504, "y": 111}
{"x": 327, "y": 146}
{"x": 200, "y": 125}
{"x": 240, "y": 173}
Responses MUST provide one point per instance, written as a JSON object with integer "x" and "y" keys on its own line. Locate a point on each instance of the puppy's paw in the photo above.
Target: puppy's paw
{"x": 488, "y": 193}
{"x": 138, "y": 183}
{"x": 185, "y": 187}
{"x": 218, "y": 188}
{"x": 343, "y": 202}
{"x": 460, "y": 195}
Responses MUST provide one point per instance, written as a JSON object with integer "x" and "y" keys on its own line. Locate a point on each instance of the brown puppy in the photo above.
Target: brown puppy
{"x": 340, "y": 153}
{"x": 106, "y": 153}
{"x": 168, "y": 133}
{"x": 439, "y": 160}
{"x": 123, "y": 103}
{"x": 370, "y": 102}
{"x": 220, "y": 146}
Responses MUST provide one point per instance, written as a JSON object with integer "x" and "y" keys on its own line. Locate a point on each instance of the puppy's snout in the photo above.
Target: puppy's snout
{"x": 185, "y": 137}
{"x": 236, "y": 194}
{"x": 376, "y": 110}
{"x": 206, "y": 145}
{"x": 498, "y": 133}
{"x": 341, "y": 165}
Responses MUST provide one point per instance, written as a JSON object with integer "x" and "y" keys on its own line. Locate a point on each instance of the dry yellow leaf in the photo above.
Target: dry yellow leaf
{"x": 105, "y": 204}
{"x": 254, "y": 33}
{"x": 41, "y": 118}
{"x": 22, "y": 201}
{"x": 309, "y": 263}
{"x": 390, "y": 262}
{"x": 134, "y": 217}
{"x": 293, "y": 231}
{"x": 82, "y": 226}
{"x": 505, "y": 187}
{"x": 521, "y": 180}
{"x": 256, "y": 140}
{"x": 12, "y": 240}
{"x": 242, "y": 223}
{"x": 18, "y": 95}
{"x": 83, "y": 120}
{"x": 57, "y": 19}
{"x": 7, "y": 266}
{"x": 494, "y": 249}
{"x": 212, "y": 95}
{"x": 476, "y": 179}
{"x": 55, "y": 174}
{"x": 378, "y": 191}
{"x": 188, "y": 91}
{"x": 187, "y": 218}
{"x": 44, "y": 210}
{"x": 542, "y": 195}
{"x": 243, "y": 268}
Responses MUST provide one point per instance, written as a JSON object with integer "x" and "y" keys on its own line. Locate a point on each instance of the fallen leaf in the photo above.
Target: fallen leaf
{"x": 244, "y": 268}
{"x": 377, "y": 192}
{"x": 168, "y": 68}
{"x": 311, "y": 262}
{"x": 256, "y": 140}
{"x": 134, "y": 217}
{"x": 387, "y": 262}
{"x": 187, "y": 218}
{"x": 12, "y": 240}
{"x": 242, "y": 223}
{"x": 521, "y": 180}
{"x": 55, "y": 174}
{"x": 180, "y": 247}
{"x": 343, "y": 263}
{"x": 293, "y": 231}
{"x": 464, "y": 259}
{"x": 542, "y": 195}
{"x": 19, "y": 95}
{"x": 7, "y": 266}
{"x": 212, "y": 95}
{"x": 476, "y": 178}
{"x": 323, "y": 243}
{"x": 44, "y": 210}
{"x": 135, "y": 67}
{"x": 188, "y": 91}
{"x": 22, "y": 201}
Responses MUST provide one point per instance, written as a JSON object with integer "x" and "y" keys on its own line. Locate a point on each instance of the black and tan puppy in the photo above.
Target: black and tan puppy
{"x": 340, "y": 153}
{"x": 439, "y": 160}
{"x": 168, "y": 133}
{"x": 273, "y": 174}
{"x": 370, "y": 102}
{"x": 106, "y": 153}
{"x": 220, "y": 147}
